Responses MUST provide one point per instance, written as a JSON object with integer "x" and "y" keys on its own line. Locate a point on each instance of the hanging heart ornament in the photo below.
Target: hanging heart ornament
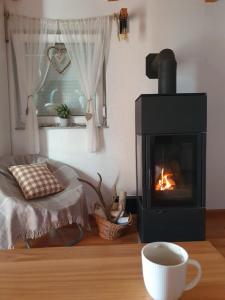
{"x": 59, "y": 57}
{"x": 88, "y": 116}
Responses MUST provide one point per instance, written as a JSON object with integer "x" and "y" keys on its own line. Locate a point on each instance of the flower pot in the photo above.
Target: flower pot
{"x": 63, "y": 122}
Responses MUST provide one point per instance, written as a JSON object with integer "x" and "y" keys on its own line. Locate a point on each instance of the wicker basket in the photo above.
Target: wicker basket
{"x": 111, "y": 231}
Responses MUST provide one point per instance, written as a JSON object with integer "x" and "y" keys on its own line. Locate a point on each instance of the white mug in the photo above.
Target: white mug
{"x": 164, "y": 270}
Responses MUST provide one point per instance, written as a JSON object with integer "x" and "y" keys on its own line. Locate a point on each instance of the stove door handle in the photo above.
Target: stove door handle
{"x": 149, "y": 178}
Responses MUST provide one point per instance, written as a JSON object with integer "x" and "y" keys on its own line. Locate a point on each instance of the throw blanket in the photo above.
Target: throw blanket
{"x": 21, "y": 219}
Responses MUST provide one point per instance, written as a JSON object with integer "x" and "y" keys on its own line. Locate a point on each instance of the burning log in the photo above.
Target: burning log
{"x": 165, "y": 181}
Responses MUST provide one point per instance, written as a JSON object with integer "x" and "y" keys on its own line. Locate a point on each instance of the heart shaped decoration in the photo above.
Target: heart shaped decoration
{"x": 88, "y": 116}
{"x": 59, "y": 57}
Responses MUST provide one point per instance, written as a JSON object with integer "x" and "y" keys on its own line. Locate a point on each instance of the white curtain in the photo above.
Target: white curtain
{"x": 5, "y": 141}
{"x": 30, "y": 43}
{"x": 87, "y": 42}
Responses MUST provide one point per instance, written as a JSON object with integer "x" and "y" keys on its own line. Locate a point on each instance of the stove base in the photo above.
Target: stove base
{"x": 171, "y": 224}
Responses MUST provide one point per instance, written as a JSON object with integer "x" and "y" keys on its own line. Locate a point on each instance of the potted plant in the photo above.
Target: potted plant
{"x": 63, "y": 113}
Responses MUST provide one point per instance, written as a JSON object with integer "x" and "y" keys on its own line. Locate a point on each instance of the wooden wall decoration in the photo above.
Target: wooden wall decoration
{"x": 207, "y": 1}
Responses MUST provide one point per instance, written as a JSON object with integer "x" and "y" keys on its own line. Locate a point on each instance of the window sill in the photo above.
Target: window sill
{"x": 52, "y": 122}
{"x": 71, "y": 126}
{"x": 57, "y": 126}
{"x": 78, "y": 122}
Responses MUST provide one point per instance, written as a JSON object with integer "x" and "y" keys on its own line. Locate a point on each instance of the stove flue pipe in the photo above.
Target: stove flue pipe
{"x": 163, "y": 66}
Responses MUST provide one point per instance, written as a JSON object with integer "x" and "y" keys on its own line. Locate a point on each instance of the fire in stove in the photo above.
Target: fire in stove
{"x": 165, "y": 181}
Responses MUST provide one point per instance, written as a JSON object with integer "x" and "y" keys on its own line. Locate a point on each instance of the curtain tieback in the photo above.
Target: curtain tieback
{"x": 27, "y": 108}
{"x": 88, "y": 114}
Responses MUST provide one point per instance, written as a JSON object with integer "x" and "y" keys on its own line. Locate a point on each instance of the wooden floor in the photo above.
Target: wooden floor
{"x": 215, "y": 233}
{"x": 215, "y": 229}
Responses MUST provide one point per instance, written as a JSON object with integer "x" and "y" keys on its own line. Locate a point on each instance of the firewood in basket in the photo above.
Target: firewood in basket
{"x": 122, "y": 201}
{"x": 99, "y": 194}
{"x": 99, "y": 211}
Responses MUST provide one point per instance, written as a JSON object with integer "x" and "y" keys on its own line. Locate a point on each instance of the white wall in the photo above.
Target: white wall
{"x": 5, "y": 139}
{"x": 195, "y": 31}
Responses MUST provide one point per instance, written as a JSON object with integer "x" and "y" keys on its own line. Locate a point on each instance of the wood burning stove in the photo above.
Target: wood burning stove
{"x": 170, "y": 166}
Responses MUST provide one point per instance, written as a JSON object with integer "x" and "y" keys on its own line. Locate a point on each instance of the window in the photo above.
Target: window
{"x": 65, "y": 88}
{"x": 61, "y": 88}
{"x": 57, "y": 89}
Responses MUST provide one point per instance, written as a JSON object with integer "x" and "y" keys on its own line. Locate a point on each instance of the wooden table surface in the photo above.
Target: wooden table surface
{"x": 97, "y": 273}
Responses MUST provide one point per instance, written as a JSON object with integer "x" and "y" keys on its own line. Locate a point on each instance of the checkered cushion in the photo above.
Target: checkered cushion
{"x": 35, "y": 180}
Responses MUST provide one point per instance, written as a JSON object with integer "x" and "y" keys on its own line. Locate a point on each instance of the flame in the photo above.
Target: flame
{"x": 165, "y": 182}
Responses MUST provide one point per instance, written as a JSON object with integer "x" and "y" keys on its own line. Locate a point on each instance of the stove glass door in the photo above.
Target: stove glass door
{"x": 173, "y": 170}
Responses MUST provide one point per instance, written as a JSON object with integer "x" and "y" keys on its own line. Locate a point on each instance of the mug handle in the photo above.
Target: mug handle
{"x": 196, "y": 280}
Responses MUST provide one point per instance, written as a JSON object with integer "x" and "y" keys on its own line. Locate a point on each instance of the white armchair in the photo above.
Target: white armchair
{"x": 21, "y": 219}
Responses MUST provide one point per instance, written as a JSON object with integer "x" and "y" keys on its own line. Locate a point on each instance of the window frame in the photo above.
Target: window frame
{"x": 53, "y": 121}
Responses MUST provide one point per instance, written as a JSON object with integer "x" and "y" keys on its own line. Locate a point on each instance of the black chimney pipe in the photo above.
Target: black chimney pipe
{"x": 163, "y": 66}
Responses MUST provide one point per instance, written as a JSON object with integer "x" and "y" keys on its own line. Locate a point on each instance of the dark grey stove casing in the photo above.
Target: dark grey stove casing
{"x": 178, "y": 114}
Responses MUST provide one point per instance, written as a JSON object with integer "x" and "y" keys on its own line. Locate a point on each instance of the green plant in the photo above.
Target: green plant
{"x": 63, "y": 111}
